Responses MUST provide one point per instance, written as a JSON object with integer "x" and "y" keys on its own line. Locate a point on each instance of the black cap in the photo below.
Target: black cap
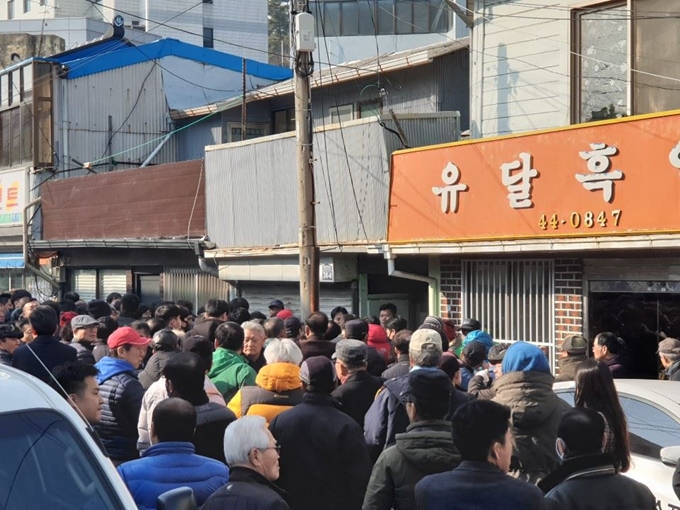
{"x": 432, "y": 386}
{"x": 356, "y": 329}
{"x": 293, "y": 326}
{"x": 470, "y": 325}
{"x": 277, "y": 303}
{"x": 474, "y": 353}
{"x": 497, "y": 353}
{"x": 10, "y": 331}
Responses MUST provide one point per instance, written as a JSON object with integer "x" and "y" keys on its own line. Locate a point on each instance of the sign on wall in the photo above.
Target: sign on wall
{"x": 608, "y": 178}
{"x": 13, "y": 191}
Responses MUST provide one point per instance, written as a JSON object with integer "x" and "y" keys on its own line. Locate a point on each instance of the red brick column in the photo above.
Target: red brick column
{"x": 568, "y": 299}
{"x": 451, "y": 288}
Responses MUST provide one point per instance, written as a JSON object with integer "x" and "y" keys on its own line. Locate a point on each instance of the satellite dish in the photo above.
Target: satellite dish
{"x": 118, "y": 21}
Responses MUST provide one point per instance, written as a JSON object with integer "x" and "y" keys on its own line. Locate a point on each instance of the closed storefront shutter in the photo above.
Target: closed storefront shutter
{"x": 84, "y": 282}
{"x": 112, "y": 280}
{"x": 260, "y": 294}
{"x": 193, "y": 285}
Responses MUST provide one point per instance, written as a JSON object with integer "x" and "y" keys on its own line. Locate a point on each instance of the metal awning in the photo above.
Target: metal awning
{"x": 11, "y": 261}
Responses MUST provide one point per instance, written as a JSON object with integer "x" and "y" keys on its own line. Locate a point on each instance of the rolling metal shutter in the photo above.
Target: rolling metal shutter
{"x": 260, "y": 294}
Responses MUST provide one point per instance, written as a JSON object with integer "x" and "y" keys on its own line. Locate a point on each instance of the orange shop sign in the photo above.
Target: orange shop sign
{"x": 607, "y": 178}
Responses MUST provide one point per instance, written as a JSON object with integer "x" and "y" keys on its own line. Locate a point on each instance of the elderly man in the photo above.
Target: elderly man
{"x": 387, "y": 415}
{"x": 278, "y": 383}
{"x": 253, "y": 344}
{"x": 669, "y": 355}
{"x": 574, "y": 351}
{"x": 84, "y": 336}
{"x": 253, "y": 455}
{"x": 357, "y": 388}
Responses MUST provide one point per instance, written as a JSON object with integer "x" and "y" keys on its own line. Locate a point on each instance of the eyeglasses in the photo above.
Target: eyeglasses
{"x": 276, "y": 447}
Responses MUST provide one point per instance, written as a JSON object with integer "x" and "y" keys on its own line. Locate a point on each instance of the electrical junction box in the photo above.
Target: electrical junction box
{"x": 304, "y": 32}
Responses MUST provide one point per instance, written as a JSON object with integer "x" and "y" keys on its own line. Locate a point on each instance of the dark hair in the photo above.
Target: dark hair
{"x": 71, "y": 296}
{"x": 167, "y": 312}
{"x": 477, "y": 426}
{"x": 216, "y": 307}
{"x": 184, "y": 313}
{"x": 582, "y": 431}
{"x": 53, "y": 305}
{"x": 186, "y": 304}
{"x": 257, "y": 315}
{"x": 333, "y": 331}
{"x": 155, "y": 325}
{"x": 274, "y": 328}
{"x": 113, "y": 296}
{"x": 129, "y": 303}
{"x": 318, "y": 323}
{"x": 71, "y": 376}
{"x": 239, "y": 315}
{"x": 5, "y": 297}
{"x": 594, "y": 389}
{"x": 109, "y": 326}
{"x": 371, "y": 319}
{"x": 613, "y": 343}
{"x": 44, "y": 320}
{"x": 229, "y": 335}
{"x": 402, "y": 340}
{"x": 21, "y": 293}
{"x": 389, "y": 306}
{"x": 67, "y": 306}
{"x": 174, "y": 419}
{"x": 338, "y": 309}
{"x": 98, "y": 308}
{"x": 239, "y": 302}
{"x": 202, "y": 348}
{"x": 66, "y": 333}
{"x": 396, "y": 323}
{"x": 143, "y": 308}
{"x": 346, "y": 318}
{"x": 23, "y": 321}
{"x": 141, "y": 327}
{"x": 186, "y": 372}
{"x": 427, "y": 409}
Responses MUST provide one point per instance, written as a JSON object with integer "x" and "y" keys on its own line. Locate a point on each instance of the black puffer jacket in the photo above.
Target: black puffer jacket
{"x": 154, "y": 367}
{"x": 206, "y": 326}
{"x": 84, "y": 350}
{"x": 122, "y": 394}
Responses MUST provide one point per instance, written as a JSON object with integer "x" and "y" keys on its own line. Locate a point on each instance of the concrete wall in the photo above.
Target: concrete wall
{"x": 27, "y": 46}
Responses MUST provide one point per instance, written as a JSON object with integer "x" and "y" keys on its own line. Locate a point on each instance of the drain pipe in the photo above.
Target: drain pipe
{"x": 157, "y": 149}
{"x": 391, "y": 271}
{"x": 32, "y": 269}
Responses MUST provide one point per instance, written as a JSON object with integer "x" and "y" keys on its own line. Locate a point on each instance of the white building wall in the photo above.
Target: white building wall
{"x": 520, "y": 66}
{"x": 51, "y": 10}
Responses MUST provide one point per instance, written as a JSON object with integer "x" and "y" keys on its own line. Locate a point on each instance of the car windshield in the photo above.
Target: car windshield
{"x": 46, "y": 464}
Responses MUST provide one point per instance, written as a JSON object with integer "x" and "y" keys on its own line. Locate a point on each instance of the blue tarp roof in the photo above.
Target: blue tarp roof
{"x": 11, "y": 261}
{"x": 116, "y": 53}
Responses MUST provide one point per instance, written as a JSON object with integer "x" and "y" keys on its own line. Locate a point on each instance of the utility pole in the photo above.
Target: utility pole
{"x": 244, "y": 112}
{"x": 303, "y": 37}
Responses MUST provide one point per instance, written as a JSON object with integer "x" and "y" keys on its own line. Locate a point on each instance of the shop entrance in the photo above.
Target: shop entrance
{"x": 642, "y": 313}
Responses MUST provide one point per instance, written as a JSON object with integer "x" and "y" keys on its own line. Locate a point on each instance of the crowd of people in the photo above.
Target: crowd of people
{"x": 269, "y": 411}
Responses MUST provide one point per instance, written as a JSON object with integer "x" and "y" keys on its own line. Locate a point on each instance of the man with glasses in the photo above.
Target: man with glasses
{"x": 253, "y": 454}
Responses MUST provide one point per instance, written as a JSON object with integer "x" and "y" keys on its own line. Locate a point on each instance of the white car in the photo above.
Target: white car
{"x": 49, "y": 458}
{"x": 652, "y": 409}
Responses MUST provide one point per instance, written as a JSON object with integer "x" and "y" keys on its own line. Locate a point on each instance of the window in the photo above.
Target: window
{"x": 370, "y": 108}
{"x": 10, "y": 9}
{"x": 252, "y": 131}
{"x": 511, "y": 298}
{"x": 98, "y": 283}
{"x": 284, "y": 121}
{"x": 45, "y": 464}
{"x": 650, "y": 427}
{"x": 602, "y": 63}
{"x": 208, "y": 38}
{"x": 381, "y": 17}
{"x": 27, "y": 5}
{"x": 342, "y": 113}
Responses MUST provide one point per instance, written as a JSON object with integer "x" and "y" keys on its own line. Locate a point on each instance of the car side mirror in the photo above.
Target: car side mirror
{"x": 670, "y": 455}
{"x": 177, "y": 499}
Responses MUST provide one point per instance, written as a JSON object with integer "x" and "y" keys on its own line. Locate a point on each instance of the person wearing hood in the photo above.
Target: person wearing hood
{"x": 479, "y": 336}
{"x": 377, "y": 338}
{"x": 230, "y": 370}
{"x": 122, "y": 393}
{"x": 526, "y": 388}
{"x": 424, "y": 449}
{"x": 277, "y": 384}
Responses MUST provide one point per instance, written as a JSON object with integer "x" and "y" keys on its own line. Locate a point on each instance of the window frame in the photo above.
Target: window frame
{"x": 209, "y": 40}
{"x": 266, "y": 127}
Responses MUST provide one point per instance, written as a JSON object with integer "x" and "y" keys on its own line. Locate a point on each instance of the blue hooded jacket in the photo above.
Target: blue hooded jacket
{"x": 525, "y": 357}
{"x": 122, "y": 394}
{"x": 480, "y": 336}
{"x": 167, "y": 466}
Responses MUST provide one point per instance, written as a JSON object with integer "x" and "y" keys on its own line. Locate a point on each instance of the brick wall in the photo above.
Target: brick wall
{"x": 451, "y": 288}
{"x": 568, "y": 299}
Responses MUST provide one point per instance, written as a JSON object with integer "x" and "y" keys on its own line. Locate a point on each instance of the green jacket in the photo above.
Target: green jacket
{"x": 424, "y": 449}
{"x": 230, "y": 372}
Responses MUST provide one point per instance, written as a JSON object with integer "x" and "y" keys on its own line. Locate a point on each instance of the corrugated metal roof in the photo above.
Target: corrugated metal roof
{"x": 122, "y": 55}
{"x": 338, "y": 74}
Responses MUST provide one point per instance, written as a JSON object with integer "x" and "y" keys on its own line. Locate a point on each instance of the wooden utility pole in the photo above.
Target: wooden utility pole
{"x": 303, "y": 37}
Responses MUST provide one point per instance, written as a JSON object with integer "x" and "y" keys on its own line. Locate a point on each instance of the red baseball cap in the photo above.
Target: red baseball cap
{"x": 124, "y": 336}
{"x": 285, "y": 314}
